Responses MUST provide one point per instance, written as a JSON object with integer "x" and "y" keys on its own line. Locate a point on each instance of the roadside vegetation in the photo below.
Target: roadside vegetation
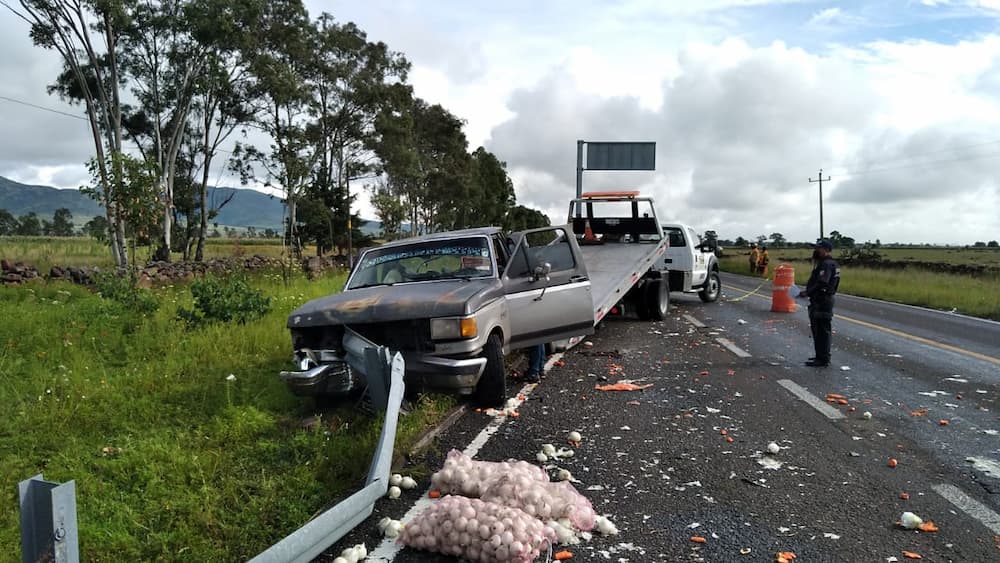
{"x": 183, "y": 442}
{"x": 975, "y": 295}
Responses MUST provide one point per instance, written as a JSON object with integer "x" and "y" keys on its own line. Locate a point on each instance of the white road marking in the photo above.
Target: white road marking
{"x": 386, "y": 551}
{"x": 694, "y": 321}
{"x": 970, "y": 506}
{"x": 729, "y": 345}
{"x": 810, "y": 399}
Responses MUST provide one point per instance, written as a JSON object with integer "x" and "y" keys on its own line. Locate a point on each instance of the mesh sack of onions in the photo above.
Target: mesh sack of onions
{"x": 478, "y": 531}
{"x": 548, "y": 501}
{"x": 462, "y": 475}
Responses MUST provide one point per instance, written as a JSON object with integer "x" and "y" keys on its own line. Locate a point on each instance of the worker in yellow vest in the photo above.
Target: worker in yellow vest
{"x": 754, "y": 256}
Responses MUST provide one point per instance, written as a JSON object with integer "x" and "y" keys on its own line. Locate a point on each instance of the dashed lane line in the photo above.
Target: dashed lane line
{"x": 729, "y": 345}
{"x": 906, "y": 335}
{"x": 810, "y": 399}
{"x": 970, "y": 506}
{"x": 694, "y": 321}
{"x": 386, "y": 551}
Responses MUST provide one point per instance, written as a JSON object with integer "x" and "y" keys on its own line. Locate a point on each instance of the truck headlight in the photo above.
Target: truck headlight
{"x": 454, "y": 328}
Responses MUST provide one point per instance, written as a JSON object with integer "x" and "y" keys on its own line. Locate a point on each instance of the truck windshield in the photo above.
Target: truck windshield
{"x": 463, "y": 258}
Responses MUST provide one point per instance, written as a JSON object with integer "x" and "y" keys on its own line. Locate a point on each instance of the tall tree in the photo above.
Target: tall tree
{"x": 29, "y": 225}
{"x": 280, "y": 65}
{"x": 62, "y": 223}
{"x": 493, "y": 191}
{"x": 390, "y": 211}
{"x": 87, "y": 35}
{"x": 777, "y": 239}
{"x": 521, "y": 217}
{"x": 351, "y": 79}
{"x": 8, "y": 223}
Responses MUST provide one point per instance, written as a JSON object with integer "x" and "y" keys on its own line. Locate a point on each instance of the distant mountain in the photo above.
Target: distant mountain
{"x": 248, "y": 208}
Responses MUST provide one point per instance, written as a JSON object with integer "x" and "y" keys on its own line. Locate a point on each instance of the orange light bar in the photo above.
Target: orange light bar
{"x": 608, "y": 195}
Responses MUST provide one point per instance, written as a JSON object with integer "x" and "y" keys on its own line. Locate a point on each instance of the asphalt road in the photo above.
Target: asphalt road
{"x": 660, "y": 464}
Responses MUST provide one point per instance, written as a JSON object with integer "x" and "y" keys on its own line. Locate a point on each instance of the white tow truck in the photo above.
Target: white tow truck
{"x": 691, "y": 264}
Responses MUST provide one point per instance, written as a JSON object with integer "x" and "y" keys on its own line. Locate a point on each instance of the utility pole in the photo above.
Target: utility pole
{"x": 820, "y": 180}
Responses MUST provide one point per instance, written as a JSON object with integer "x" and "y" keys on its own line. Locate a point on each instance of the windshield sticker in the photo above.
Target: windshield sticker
{"x": 422, "y": 252}
{"x": 475, "y": 262}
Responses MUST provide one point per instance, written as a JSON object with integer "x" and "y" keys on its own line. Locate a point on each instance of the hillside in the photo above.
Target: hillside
{"x": 248, "y": 208}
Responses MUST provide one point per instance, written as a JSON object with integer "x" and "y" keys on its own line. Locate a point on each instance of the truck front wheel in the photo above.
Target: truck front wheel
{"x": 491, "y": 391}
{"x": 710, "y": 291}
{"x": 657, "y": 297}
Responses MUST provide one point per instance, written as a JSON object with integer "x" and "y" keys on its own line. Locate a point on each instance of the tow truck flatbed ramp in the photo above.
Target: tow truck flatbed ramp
{"x": 614, "y": 268}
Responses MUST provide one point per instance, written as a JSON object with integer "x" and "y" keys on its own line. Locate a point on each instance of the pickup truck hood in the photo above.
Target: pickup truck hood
{"x": 447, "y": 298}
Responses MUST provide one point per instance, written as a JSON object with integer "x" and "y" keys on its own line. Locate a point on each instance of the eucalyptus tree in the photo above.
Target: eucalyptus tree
{"x": 87, "y": 34}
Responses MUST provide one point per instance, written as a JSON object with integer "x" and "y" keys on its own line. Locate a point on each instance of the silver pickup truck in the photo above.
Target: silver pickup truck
{"x": 455, "y": 303}
{"x": 452, "y": 303}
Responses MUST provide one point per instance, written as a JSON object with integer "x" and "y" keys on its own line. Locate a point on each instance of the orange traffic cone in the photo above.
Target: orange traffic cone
{"x": 588, "y": 234}
{"x": 784, "y": 279}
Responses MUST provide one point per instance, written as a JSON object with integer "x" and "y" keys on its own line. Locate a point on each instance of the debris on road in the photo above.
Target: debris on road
{"x": 912, "y": 555}
{"x": 623, "y": 386}
{"x": 910, "y": 521}
{"x": 773, "y": 448}
{"x": 893, "y": 462}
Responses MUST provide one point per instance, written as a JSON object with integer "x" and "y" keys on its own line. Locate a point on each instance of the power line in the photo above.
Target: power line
{"x": 43, "y": 108}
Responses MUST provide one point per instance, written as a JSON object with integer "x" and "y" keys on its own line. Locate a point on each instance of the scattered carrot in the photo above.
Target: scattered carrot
{"x": 841, "y": 401}
{"x": 698, "y": 539}
{"x": 904, "y": 496}
{"x": 920, "y": 412}
{"x": 633, "y": 403}
{"x": 515, "y": 414}
{"x": 928, "y": 527}
{"x": 703, "y": 372}
{"x": 620, "y": 386}
{"x": 563, "y": 555}
{"x": 852, "y": 409}
{"x": 723, "y": 432}
{"x": 784, "y": 557}
{"x": 559, "y": 363}
{"x": 729, "y": 439}
{"x": 912, "y": 555}
{"x": 834, "y": 396}
{"x": 959, "y": 397}
{"x": 893, "y": 462}
{"x": 434, "y": 494}
{"x": 943, "y": 422}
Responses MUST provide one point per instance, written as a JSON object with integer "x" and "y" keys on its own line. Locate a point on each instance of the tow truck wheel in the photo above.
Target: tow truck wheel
{"x": 491, "y": 391}
{"x": 710, "y": 291}
{"x": 657, "y": 299}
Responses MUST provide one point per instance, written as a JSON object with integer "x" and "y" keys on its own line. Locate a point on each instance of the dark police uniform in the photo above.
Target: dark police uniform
{"x": 820, "y": 289}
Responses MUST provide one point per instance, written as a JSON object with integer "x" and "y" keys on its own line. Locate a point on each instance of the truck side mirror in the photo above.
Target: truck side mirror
{"x": 542, "y": 271}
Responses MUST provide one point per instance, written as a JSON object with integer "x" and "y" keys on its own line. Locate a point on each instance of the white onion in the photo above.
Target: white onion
{"x": 395, "y": 479}
{"x": 408, "y": 483}
{"x": 548, "y": 449}
{"x": 574, "y": 436}
{"x": 503, "y": 553}
{"x": 394, "y": 492}
{"x": 340, "y": 560}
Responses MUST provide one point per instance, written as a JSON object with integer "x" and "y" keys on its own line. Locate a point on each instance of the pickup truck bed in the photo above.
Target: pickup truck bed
{"x": 615, "y": 267}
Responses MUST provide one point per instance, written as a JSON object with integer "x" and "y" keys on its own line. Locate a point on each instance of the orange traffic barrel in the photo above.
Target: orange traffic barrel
{"x": 784, "y": 279}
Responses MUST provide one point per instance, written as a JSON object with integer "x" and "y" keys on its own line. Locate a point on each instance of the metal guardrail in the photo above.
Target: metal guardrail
{"x": 385, "y": 386}
{"x": 48, "y": 521}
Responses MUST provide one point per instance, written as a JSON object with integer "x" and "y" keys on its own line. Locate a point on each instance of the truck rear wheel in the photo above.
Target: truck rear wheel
{"x": 491, "y": 391}
{"x": 657, "y": 298}
{"x": 710, "y": 291}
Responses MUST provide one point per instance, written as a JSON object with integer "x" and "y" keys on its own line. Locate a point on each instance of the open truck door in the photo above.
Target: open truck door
{"x": 547, "y": 288}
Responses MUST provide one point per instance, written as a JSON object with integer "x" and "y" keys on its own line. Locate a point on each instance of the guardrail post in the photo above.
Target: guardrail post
{"x": 48, "y": 521}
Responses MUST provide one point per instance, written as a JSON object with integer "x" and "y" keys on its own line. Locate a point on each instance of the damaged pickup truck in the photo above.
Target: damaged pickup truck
{"x": 453, "y": 304}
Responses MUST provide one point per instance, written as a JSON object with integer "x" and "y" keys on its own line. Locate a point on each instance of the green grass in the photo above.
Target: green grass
{"x": 172, "y": 462}
{"x": 45, "y": 252}
{"x": 989, "y": 257}
{"x": 978, "y": 296}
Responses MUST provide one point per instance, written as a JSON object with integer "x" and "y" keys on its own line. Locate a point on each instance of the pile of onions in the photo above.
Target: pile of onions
{"x": 546, "y": 501}
{"x": 478, "y": 531}
{"x": 464, "y": 476}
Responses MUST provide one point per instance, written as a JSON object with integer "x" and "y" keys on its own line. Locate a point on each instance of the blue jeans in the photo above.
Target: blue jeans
{"x": 536, "y": 360}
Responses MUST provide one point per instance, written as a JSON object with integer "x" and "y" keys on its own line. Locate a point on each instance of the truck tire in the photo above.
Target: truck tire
{"x": 713, "y": 287}
{"x": 657, "y": 297}
{"x": 491, "y": 391}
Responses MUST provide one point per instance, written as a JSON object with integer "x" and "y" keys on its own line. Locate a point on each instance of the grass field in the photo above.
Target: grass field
{"x": 978, "y": 296}
{"x": 173, "y": 459}
{"x": 989, "y": 257}
{"x": 45, "y": 252}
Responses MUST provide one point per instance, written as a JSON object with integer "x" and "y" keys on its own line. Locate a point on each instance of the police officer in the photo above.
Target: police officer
{"x": 822, "y": 286}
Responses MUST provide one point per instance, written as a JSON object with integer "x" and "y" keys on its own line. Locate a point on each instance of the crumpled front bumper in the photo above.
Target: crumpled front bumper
{"x": 324, "y": 372}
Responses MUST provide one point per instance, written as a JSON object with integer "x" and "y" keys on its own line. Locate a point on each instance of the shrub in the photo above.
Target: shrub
{"x": 123, "y": 289}
{"x": 224, "y": 300}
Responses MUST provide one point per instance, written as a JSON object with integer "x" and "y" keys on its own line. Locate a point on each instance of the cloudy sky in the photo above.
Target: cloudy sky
{"x": 899, "y": 102}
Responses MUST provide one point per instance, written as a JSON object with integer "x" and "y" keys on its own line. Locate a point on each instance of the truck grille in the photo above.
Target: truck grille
{"x": 399, "y": 335}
